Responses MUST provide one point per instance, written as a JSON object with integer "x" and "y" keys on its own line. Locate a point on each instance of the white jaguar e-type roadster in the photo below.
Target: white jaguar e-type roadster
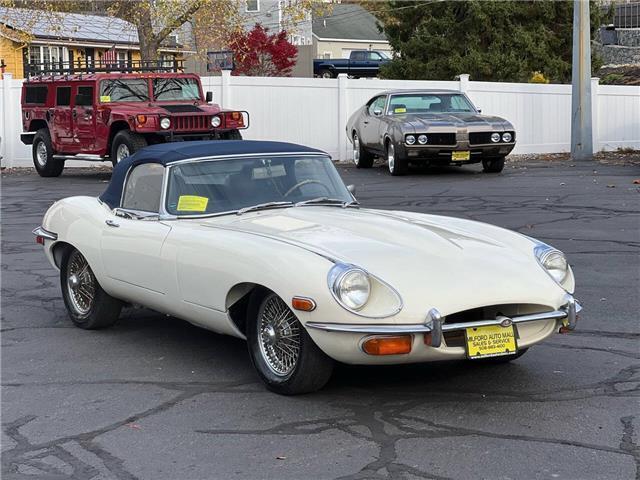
{"x": 262, "y": 240}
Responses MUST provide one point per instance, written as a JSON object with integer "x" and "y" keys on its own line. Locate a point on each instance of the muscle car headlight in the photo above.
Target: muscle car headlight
{"x": 495, "y": 137}
{"x": 422, "y": 139}
{"x": 361, "y": 293}
{"x": 165, "y": 123}
{"x": 506, "y": 137}
{"x": 553, "y": 261}
{"x": 216, "y": 121}
{"x": 410, "y": 139}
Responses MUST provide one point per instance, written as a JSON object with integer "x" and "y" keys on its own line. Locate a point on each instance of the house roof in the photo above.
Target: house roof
{"x": 70, "y": 26}
{"x": 347, "y": 22}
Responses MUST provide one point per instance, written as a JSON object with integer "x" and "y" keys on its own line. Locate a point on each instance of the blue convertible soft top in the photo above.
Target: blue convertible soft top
{"x": 167, "y": 153}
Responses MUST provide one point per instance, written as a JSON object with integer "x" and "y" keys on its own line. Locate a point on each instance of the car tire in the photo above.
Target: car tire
{"x": 231, "y": 135}
{"x": 361, "y": 156}
{"x": 42, "y": 151}
{"x": 325, "y": 73}
{"x": 502, "y": 359}
{"x": 282, "y": 367}
{"x": 397, "y": 165}
{"x": 88, "y": 305}
{"x": 124, "y": 144}
{"x": 493, "y": 165}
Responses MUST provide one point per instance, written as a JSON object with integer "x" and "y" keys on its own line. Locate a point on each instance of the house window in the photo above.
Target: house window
{"x": 166, "y": 60}
{"x": 253, "y": 6}
{"x": 44, "y": 57}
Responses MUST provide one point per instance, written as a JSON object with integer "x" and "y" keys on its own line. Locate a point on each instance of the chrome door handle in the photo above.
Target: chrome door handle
{"x": 111, "y": 223}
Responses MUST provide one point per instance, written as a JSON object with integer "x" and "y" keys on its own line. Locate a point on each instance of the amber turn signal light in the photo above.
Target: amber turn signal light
{"x": 396, "y": 345}
{"x": 303, "y": 303}
{"x": 142, "y": 119}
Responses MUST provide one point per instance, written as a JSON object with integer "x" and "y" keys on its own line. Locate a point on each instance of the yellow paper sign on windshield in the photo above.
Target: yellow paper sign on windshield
{"x": 192, "y": 203}
{"x": 105, "y": 98}
{"x": 399, "y": 110}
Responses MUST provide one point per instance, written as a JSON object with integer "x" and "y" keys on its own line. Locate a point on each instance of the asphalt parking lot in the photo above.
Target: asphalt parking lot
{"x": 156, "y": 398}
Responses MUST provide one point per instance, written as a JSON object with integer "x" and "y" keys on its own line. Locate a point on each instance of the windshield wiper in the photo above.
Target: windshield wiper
{"x": 262, "y": 206}
{"x": 327, "y": 201}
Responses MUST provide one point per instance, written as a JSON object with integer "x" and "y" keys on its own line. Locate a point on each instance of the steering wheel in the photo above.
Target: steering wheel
{"x": 308, "y": 181}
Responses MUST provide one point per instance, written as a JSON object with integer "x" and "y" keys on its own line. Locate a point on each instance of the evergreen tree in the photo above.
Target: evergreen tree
{"x": 491, "y": 40}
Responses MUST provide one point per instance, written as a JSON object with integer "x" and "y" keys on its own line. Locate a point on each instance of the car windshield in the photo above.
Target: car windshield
{"x": 429, "y": 103}
{"x": 117, "y": 90}
{"x": 231, "y": 185}
{"x": 174, "y": 89}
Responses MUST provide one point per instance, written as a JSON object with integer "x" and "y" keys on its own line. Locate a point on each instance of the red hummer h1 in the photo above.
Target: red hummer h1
{"x": 108, "y": 116}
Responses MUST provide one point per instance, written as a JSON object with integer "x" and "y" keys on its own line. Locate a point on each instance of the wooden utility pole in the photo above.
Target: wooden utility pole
{"x": 581, "y": 126}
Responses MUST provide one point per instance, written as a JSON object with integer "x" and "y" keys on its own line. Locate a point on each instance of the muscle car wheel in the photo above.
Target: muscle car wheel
{"x": 493, "y": 165}
{"x": 281, "y": 350}
{"x": 397, "y": 165}
{"x": 42, "y": 150}
{"x": 361, "y": 157}
{"x": 89, "y": 306}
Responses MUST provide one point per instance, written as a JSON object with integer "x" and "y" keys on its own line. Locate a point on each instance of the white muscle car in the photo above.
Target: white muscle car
{"x": 263, "y": 241}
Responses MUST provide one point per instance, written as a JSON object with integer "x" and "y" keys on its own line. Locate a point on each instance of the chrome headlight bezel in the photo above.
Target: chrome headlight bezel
{"x": 546, "y": 256}
{"x": 495, "y": 137}
{"x": 382, "y": 300}
{"x": 410, "y": 139}
{"x": 165, "y": 123}
{"x": 216, "y": 121}
{"x": 423, "y": 139}
{"x": 507, "y": 137}
{"x": 341, "y": 274}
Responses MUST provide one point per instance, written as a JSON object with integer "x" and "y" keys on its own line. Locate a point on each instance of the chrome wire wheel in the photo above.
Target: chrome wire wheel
{"x": 81, "y": 284}
{"x": 391, "y": 157}
{"x": 356, "y": 149}
{"x": 279, "y": 336}
{"x": 122, "y": 152}
{"x": 41, "y": 154}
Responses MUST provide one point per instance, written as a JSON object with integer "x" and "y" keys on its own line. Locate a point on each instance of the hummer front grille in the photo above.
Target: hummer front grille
{"x": 191, "y": 123}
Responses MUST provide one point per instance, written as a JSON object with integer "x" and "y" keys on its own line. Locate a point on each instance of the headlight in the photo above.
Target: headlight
{"x": 495, "y": 137}
{"x": 165, "y": 123}
{"x": 215, "y": 121}
{"x": 410, "y": 139}
{"x": 506, "y": 137}
{"x": 553, "y": 261}
{"x": 422, "y": 139}
{"x": 353, "y": 288}
{"x": 361, "y": 293}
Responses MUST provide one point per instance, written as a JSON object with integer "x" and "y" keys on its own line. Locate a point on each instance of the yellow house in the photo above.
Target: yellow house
{"x": 32, "y": 42}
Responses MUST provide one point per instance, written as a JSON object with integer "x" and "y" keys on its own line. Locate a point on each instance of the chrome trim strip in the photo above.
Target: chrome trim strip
{"x": 435, "y": 325}
{"x": 42, "y": 232}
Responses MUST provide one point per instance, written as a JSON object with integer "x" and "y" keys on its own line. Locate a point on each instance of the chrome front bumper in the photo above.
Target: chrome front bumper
{"x": 436, "y": 325}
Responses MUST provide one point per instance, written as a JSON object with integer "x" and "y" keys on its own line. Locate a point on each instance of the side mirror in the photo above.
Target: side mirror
{"x": 352, "y": 189}
{"x": 479, "y": 110}
{"x": 209, "y": 97}
{"x": 377, "y": 112}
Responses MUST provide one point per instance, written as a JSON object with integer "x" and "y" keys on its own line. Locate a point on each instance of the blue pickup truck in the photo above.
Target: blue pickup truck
{"x": 361, "y": 63}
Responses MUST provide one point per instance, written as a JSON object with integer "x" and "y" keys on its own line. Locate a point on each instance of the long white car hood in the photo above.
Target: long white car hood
{"x": 449, "y": 263}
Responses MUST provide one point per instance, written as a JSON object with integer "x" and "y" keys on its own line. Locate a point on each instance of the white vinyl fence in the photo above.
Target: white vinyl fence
{"x": 314, "y": 111}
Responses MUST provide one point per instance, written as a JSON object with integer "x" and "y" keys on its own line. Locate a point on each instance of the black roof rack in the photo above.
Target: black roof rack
{"x": 82, "y": 66}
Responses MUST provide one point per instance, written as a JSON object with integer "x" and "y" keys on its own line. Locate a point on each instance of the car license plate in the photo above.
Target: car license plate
{"x": 490, "y": 341}
{"x": 461, "y": 156}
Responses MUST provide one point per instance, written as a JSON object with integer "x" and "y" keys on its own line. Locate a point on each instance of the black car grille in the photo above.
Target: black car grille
{"x": 482, "y": 138}
{"x": 441, "y": 139}
{"x": 191, "y": 123}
